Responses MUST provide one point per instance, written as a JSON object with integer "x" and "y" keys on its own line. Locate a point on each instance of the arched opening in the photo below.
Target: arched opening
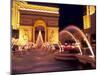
{"x": 42, "y": 29}
{"x": 40, "y": 25}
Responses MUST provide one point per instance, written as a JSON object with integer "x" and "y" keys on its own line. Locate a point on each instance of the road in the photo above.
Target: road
{"x": 38, "y": 61}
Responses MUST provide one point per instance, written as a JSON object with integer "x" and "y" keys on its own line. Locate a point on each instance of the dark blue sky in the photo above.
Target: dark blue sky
{"x": 71, "y": 15}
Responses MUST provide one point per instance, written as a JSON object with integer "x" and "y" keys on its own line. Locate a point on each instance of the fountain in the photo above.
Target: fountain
{"x": 75, "y": 30}
{"x": 67, "y": 32}
{"x": 39, "y": 41}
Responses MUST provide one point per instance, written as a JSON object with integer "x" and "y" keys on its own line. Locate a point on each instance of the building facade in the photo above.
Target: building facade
{"x": 29, "y": 19}
{"x": 89, "y": 20}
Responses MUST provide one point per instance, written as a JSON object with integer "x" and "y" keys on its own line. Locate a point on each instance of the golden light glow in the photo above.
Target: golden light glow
{"x": 39, "y": 40}
{"x": 23, "y": 37}
{"x": 15, "y": 15}
{"x": 53, "y": 35}
{"x": 21, "y": 5}
{"x": 90, "y": 10}
{"x": 40, "y": 23}
{"x": 27, "y": 33}
{"x": 87, "y": 22}
{"x": 25, "y": 5}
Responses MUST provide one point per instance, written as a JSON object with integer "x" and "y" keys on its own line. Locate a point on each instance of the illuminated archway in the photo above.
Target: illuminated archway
{"x": 39, "y": 25}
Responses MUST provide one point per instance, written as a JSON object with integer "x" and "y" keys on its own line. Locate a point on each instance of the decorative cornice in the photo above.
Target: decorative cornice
{"x": 25, "y": 6}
